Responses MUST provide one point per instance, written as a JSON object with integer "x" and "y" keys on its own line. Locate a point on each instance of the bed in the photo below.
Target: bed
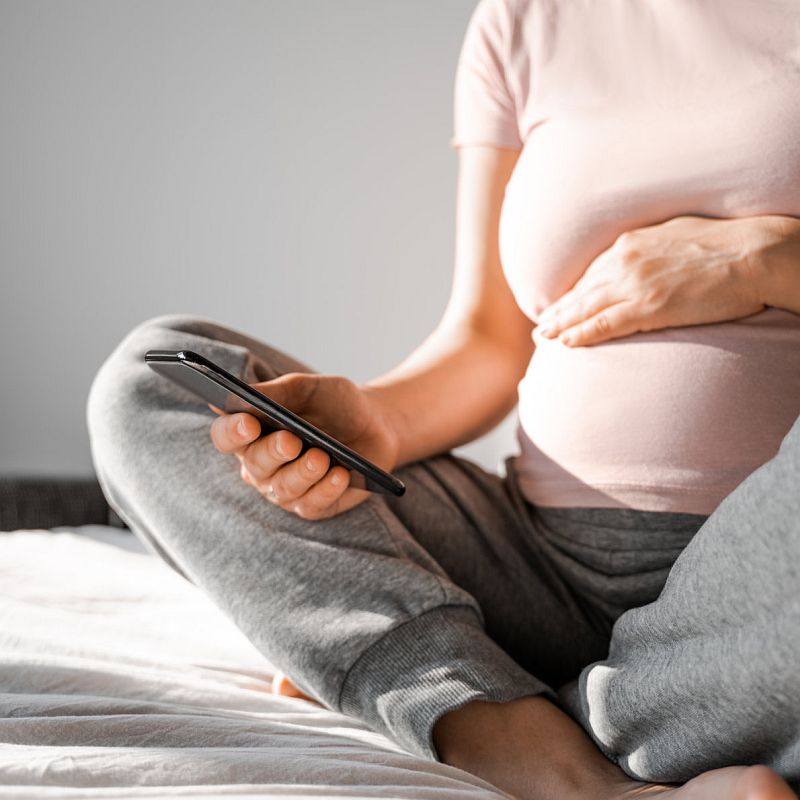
{"x": 120, "y": 679}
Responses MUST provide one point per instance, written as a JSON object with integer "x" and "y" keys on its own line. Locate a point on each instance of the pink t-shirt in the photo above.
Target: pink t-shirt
{"x": 628, "y": 113}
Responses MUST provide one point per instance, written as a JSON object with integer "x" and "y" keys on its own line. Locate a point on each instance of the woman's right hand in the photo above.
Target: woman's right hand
{"x": 309, "y": 486}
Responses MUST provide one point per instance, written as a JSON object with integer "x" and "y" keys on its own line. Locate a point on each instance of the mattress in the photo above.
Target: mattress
{"x": 120, "y": 679}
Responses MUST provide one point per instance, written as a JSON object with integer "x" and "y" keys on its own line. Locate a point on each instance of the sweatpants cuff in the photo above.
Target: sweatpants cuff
{"x": 424, "y": 668}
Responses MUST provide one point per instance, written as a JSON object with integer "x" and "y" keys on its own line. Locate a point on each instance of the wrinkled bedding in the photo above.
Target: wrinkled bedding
{"x": 119, "y": 679}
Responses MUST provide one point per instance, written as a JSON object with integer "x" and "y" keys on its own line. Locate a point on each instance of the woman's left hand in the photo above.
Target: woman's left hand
{"x": 686, "y": 271}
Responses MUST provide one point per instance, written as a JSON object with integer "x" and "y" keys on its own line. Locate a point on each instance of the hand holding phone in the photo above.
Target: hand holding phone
{"x": 311, "y": 476}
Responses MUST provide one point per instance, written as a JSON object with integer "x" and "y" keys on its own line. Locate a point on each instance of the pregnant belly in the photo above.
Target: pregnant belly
{"x": 666, "y": 421}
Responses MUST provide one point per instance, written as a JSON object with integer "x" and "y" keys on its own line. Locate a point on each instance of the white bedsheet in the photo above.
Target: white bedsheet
{"x": 119, "y": 679}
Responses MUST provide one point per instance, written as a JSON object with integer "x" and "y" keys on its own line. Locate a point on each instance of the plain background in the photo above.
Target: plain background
{"x": 281, "y": 167}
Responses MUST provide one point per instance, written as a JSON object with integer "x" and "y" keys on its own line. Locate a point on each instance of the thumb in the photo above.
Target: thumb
{"x": 293, "y": 390}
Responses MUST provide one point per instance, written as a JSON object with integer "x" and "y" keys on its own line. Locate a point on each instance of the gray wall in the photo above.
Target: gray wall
{"x": 282, "y": 167}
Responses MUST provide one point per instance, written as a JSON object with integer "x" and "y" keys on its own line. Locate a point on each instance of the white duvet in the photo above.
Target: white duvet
{"x": 119, "y": 679}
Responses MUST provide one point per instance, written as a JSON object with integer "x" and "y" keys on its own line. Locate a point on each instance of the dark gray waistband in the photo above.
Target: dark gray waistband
{"x": 619, "y": 528}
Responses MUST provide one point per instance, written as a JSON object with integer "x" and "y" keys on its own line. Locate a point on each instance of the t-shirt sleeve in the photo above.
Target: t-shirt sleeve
{"x": 484, "y": 109}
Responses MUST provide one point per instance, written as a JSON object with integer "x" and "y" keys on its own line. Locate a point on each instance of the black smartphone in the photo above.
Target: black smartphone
{"x": 218, "y": 387}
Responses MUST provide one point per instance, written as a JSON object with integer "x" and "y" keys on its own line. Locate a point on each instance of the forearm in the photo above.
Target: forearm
{"x": 456, "y": 386}
{"x": 463, "y": 379}
{"x": 777, "y": 265}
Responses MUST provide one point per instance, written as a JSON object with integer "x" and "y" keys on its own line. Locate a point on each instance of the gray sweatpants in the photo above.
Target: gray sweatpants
{"x": 676, "y": 649}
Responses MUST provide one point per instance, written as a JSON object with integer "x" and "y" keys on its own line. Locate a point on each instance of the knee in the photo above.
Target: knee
{"x": 125, "y": 392}
{"x": 670, "y": 704}
{"x": 124, "y": 373}
{"x": 165, "y": 330}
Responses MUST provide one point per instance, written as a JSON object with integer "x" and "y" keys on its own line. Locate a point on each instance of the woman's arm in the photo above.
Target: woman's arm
{"x": 777, "y": 266}
{"x": 459, "y": 383}
{"x": 686, "y": 271}
{"x": 463, "y": 379}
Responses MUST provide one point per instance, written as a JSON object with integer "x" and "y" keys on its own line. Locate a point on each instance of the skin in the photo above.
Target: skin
{"x": 686, "y": 271}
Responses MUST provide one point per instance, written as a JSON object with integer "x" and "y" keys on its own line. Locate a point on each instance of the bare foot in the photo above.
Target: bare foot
{"x": 533, "y": 751}
{"x": 730, "y": 783}
{"x": 600, "y": 780}
{"x": 283, "y": 686}
{"x": 760, "y": 783}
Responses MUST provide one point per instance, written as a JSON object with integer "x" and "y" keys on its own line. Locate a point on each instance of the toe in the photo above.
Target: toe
{"x": 761, "y": 783}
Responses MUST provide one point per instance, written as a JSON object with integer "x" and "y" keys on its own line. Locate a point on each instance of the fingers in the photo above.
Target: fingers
{"x": 293, "y": 480}
{"x": 610, "y": 323}
{"x": 272, "y": 466}
{"x": 323, "y": 498}
{"x": 262, "y": 459}
{"x": 233, "y": 432}
{"x": 301, "y": 483}
{"x": 307, "y": 486}
{"x": 574, "y": 307}
{"x": 295, "y": 390}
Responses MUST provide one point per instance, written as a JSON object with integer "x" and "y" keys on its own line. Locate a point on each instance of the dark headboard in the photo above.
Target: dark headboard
{"x": 50, "y": 502}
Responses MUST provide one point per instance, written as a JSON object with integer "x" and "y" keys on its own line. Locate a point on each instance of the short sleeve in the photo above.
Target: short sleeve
{"x": 484, "y": 109}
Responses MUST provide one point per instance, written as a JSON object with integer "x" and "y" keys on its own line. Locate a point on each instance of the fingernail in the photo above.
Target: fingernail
{"x": 336, "y": 479}
{"x": 546, "y": 330}
{"x": 279, "y": 447}
{"x": 565, "y": 339}
{"x": 310, "y": 465}
{"x": 241, "y": 426}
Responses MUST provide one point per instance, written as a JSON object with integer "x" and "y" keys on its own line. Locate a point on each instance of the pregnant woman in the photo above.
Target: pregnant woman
{"x": 619, "y": 616}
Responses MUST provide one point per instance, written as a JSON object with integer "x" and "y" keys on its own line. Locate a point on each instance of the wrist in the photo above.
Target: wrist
{"x": 390, "y": 420}
{"x": 774, "y": 260}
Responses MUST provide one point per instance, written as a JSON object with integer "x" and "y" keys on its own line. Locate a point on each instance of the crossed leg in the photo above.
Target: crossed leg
{"x": 707, "y": 675}
{"x": 365, "y": 618}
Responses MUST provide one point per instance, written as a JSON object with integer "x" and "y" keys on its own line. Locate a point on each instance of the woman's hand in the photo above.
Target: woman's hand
{"x": 686, "y": 271}
{"x": 308, "y": 486}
